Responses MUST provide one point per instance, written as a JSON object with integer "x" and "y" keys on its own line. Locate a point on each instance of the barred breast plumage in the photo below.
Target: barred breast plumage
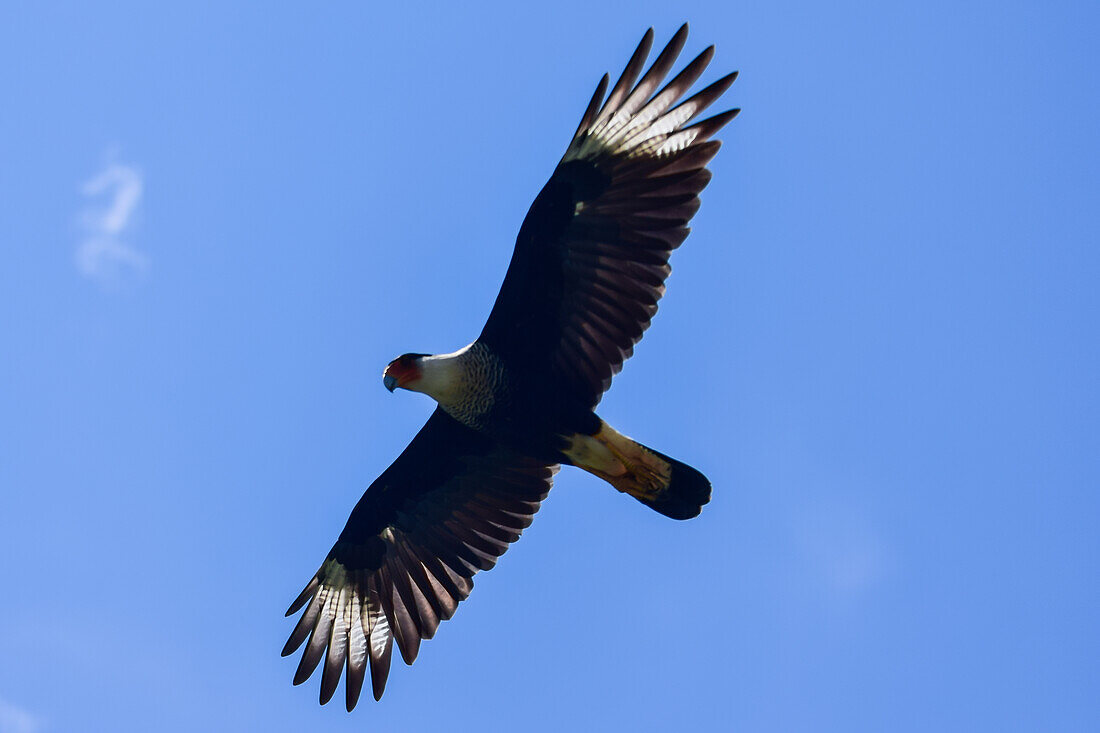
{"x": 468, "y": 384}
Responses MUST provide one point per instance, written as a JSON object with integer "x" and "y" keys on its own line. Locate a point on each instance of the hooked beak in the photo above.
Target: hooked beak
{"x": 390, "y": 382}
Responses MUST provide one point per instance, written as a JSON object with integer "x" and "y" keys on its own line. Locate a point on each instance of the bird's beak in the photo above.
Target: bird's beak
{"x": 390, "y": 382}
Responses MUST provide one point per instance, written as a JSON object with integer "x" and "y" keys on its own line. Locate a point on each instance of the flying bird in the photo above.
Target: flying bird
{"x": 588, "y": 268}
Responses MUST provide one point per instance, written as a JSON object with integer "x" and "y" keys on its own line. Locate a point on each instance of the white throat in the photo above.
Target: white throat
{"x": 444, "y": 377}
{"x": 467, "y": 384}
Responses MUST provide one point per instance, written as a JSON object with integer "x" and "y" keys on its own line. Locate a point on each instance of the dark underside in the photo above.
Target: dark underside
{"x": 526, "y": 323}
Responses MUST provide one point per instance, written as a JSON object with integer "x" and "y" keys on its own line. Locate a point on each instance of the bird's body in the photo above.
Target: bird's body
{"x": 589, "y": 266}
{"x": 522, "y": 411}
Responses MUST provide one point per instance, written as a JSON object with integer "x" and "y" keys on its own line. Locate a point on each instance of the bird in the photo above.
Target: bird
{"x": 588, "y": 269}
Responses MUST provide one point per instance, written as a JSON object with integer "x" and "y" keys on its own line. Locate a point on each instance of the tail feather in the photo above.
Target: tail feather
{"x": 684, "y": 495}
{"x": 664, "y": 484}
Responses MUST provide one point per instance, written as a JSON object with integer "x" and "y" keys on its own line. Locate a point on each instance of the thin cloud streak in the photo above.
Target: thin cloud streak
{"x": 103, "y": 252}
{"x": 14, "y": 719}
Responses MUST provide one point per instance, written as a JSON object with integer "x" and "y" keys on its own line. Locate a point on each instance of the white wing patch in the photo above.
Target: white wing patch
{"x": 633, "y": 127}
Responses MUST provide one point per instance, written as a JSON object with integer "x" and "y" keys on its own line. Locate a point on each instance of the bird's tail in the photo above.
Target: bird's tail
{"x": 664, "y": 484}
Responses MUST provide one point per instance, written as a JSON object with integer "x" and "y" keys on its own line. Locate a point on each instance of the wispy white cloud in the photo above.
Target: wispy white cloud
{"x": 105, "y": 252}
{"x": 14, "y": 719}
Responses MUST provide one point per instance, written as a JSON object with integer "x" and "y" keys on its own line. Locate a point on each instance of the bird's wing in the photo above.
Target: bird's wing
{"x": 592, "y": 255}
{"x": 448, "y": 507}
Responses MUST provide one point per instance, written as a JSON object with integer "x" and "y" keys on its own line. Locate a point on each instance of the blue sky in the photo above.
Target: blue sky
{"x": 880, "y": 343}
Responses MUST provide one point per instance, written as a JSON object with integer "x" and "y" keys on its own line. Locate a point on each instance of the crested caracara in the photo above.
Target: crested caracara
{"x": 588, "y": 269}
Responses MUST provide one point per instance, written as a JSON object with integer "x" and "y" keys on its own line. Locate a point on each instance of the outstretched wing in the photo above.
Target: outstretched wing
{"x": 448, "y": 507}
{"x": 592, "y": 255}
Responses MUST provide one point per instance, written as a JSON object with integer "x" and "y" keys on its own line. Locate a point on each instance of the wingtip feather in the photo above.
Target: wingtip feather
{"x": 305, "y": 595}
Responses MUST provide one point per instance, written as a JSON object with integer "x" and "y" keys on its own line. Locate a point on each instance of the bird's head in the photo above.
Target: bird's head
{"x": 404, "y": 371}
